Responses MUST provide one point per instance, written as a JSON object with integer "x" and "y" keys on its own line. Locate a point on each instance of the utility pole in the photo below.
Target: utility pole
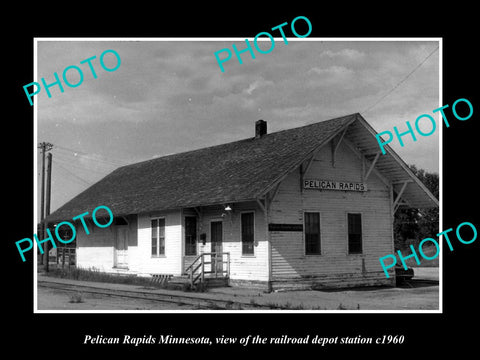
{"x": 47, "y": 203}
{"x": 49, "y": 184}
{"x": 44, "y": 146}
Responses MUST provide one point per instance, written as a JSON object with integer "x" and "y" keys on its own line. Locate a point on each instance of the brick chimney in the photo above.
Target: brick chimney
{"x": 260, "y": 128}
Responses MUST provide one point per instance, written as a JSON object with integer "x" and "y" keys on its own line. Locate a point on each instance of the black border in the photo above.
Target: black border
{"x": 431, "y": 333}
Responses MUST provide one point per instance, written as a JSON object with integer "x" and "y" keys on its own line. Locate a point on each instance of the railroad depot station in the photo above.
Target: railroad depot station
{"x": 306, "y": 207}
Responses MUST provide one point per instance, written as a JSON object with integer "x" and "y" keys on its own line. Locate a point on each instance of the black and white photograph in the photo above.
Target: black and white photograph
{"x": 253, "y": 186}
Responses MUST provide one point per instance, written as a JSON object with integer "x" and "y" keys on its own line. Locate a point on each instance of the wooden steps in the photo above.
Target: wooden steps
{"x": 211, "y": 282}
{"x": 183, "y": 282}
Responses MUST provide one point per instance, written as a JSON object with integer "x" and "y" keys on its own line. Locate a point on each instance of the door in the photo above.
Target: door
{"x": 190, "y": 236}
{"x": 120, "y": 251}
{"x": 216, "y": 234}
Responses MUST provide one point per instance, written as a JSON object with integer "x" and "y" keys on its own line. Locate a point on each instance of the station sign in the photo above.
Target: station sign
{"x": 316, "y": 184}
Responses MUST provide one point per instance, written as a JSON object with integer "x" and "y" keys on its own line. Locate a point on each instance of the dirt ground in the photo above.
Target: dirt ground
{"x": 54, "y": 299}
{"x": 421, "y": 293}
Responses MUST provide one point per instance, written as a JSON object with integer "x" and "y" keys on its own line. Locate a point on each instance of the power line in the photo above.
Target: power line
{"x": 94, "y": 158}
{"x": 78, "y": 179}
{"x": 79, "y": 166}
{"x": 72, "y": 174}
{"x": 104, "y": 159}
{"x": 402, "y": 81}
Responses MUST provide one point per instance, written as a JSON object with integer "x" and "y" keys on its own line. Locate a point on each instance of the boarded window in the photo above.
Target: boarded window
{"x": 190, "y": 235}
{"x": 158, "y": 237}
{"x": 248, "y": 229}
{"x": 354, "y": 233}
{"x": 312, "y": 233}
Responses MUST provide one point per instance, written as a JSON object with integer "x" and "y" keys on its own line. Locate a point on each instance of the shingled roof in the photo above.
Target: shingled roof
{"x": 238, "y": 171}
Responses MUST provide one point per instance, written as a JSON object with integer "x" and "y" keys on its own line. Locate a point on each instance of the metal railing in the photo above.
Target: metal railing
{"x": 218, "y": 267}
{"x": 66, "y": 252}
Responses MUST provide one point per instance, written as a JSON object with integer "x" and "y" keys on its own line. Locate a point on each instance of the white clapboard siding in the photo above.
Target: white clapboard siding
{"x": 142, "y": 261}
{"x": 288, "y": 254}
{"x": 242, "y": 267}
{"x": 95, "y": 250}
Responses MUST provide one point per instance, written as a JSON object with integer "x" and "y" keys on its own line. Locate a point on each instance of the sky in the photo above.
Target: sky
{"x": 171, "y": 96}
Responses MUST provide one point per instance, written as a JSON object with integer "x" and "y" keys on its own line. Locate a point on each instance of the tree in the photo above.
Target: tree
{"x": 411, "y": 225}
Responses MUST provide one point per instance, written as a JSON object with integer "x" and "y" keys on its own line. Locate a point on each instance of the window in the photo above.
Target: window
{"x": 190, "y": 235}
{"x": 312, "y": 233}
{"x": 248, "y": 229}
{"x": 354, "y": 233}
{"x": 158, "y": 237}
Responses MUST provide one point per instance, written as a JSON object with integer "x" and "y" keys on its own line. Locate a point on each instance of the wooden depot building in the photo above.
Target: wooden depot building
{"x": 307, "y": 207}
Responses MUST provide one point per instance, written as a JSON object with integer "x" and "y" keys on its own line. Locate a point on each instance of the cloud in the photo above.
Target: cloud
{"x": 258, "y": 84}
{"x": 170, "y": 96}
{"x": 345, "y": 54}
{"x": 297, "y": 111}
{"x": 252, "y": 87}
{"x": 331, "y": 71}
{"x": 340, "y": 77}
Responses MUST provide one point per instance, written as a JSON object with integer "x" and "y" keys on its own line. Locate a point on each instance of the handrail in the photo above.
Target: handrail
{"x": 213, "y": 253}
{"x": 193, "y": 269}
{"x": 196, "y": 268}
{"x": 193, "y": 262}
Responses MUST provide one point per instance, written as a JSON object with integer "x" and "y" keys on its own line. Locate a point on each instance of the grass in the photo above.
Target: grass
{"x": 95, "y": 275}
{"x": 230, "y": 305}
{"x": 76, "y": 298}
{"x": 289, "y": 306}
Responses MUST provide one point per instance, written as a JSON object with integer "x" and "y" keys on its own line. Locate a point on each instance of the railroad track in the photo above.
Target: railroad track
{"x": 183, "y": 299}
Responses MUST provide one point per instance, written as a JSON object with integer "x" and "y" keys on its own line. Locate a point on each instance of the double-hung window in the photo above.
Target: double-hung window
{"x": 312, "y": 233}
{"x": 158, "y": 237}
{"x": 354, "y": 233}
{"x": 248, "y": 230}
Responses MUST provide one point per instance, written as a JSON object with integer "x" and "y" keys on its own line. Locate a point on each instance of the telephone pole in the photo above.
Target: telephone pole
{"x": 44, "y": 147}
{"x": 47, "y": 203}
{"x": 49, "y": 184}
